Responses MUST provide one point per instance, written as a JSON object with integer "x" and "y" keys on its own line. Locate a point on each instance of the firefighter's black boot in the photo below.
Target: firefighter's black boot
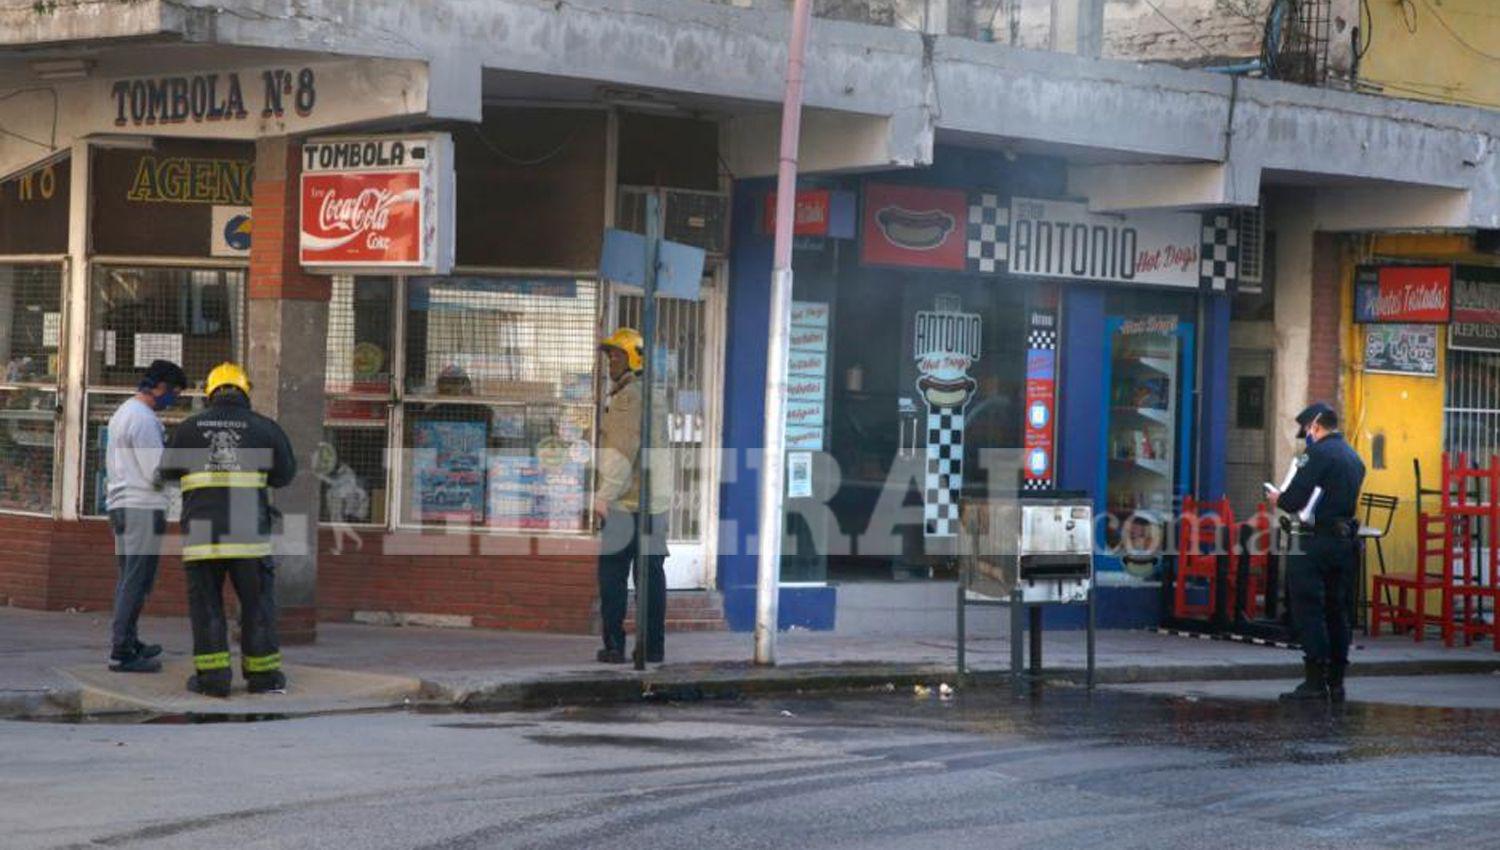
{"x": 1336, "y": 681}
{"x": 214, "y": 683}
{"x": 273, "y": 681}
{"x": 1314, "y": 687}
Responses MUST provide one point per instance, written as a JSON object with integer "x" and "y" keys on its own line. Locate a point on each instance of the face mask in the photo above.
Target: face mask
{"x": 1309, "y": 441}
{"x": 166, "y": 399}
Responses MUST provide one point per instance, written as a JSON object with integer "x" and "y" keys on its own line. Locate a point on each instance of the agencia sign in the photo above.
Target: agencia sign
{"x": 378, "y": 203}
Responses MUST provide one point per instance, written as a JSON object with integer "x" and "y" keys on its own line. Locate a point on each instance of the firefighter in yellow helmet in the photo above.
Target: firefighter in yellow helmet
{"x": 226, "y": 458}
{"x": 617, "y": 500}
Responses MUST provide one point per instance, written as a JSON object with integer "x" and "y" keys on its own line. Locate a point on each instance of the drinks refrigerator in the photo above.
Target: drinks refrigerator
{"x": 1148, "y": 438}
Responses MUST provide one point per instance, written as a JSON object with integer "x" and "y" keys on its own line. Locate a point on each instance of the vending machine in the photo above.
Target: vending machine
{"x": 1148, "y": 375}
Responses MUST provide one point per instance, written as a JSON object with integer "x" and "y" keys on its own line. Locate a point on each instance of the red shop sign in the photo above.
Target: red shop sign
{"x": 914, "y": 226}
{"x": 377, "y": 203}
{"x": 1420, "y": 295}
{"x": 362, "y": 219}
{"x": 812, "y": 211}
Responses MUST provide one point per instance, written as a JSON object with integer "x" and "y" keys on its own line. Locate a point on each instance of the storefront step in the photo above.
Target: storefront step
{"x": 688, "y": 611}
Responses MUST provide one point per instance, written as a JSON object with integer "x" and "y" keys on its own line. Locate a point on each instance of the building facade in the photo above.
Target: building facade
{"x": 979, "y": 204}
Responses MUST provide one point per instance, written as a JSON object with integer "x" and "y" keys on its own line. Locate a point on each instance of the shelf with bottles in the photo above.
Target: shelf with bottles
{"x": 1147, "y": 448}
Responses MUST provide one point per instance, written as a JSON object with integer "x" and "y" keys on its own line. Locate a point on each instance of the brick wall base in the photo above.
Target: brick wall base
{"x": 527, "y": 584}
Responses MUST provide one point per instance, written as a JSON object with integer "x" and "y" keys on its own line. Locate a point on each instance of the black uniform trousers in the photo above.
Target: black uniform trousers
{"x": 1320, "y": 584}
{"x": 616, "y": 564}
{"x": 255, "y": 585}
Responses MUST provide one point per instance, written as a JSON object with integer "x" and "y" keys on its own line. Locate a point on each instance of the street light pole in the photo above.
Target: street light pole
{"x": 773, "y": 456}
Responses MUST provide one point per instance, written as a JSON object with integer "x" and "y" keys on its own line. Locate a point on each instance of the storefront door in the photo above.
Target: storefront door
{"x": 689, "y": 367}
{"x": 1249, "y": 457}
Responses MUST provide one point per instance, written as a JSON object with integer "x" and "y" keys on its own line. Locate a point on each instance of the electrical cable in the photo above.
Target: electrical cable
{"x": 518, "y": 161}
{"x": 1493, "y": 57}
{"x": 1413, "y": 87}
{"x": 1366, "y": 29}
{"x": 1190, "y": 37}
{"x": 1408, "y": 15}
{"x": 49, "y": 145}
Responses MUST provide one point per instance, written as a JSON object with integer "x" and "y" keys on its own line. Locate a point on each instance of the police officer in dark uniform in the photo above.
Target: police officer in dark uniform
{"x": 1324, "y": 564}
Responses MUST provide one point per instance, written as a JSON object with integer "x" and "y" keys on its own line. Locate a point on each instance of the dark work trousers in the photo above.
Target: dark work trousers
{"x": 1320, "y": 583}
{"x": 138, "y": 534}
{"x": 255, "y": 585}
{"x": 616, "y": 559}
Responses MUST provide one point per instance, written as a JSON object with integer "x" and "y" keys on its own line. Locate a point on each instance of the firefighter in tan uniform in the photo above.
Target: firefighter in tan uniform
{"x": 617, "y": 501}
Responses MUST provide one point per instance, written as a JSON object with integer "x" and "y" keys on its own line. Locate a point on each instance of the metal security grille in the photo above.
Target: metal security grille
{"x": 680, "y": 364}
{"x": 523, "y": 340}
{"x": 360, "y": 335}
{"x": 31, "y": 323}
{"x": 1471, "y": 414}
{"x": 31, "y": 351}
{"x": 194, "y": 317}
{"x": 1296, "y": 45}
{"x": 499, "y": 402}
{"x": 28, "y": 445}
{"x": 351, "y": 470}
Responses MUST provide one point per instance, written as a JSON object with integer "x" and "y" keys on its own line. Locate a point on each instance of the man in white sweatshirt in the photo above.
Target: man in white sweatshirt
{"x": 138, "y": 508}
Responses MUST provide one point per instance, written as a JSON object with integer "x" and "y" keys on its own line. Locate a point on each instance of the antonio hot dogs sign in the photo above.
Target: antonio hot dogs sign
{"x": 946, "y": 343}
{"x": 378, "y": 203}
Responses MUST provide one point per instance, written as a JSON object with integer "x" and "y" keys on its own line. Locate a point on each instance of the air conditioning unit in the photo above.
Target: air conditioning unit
{"x": 1252, "y": 226}
{"x": 696, "y": 218}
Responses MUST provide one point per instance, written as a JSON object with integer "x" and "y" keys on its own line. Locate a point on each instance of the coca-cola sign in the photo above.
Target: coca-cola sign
{"x": 1403, "y": 295}
{"x": 377, "y": 203}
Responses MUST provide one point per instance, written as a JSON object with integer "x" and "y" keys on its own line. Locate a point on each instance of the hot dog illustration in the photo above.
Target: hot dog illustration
{"x": 915, "y": 230}
{"x": 946, "y": 391}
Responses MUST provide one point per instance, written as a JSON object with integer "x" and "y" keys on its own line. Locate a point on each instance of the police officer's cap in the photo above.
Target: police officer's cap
{"x": 1310, "y": 414}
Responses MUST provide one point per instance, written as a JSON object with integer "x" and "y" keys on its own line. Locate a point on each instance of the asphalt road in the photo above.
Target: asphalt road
{"x": 1055, "y": 769}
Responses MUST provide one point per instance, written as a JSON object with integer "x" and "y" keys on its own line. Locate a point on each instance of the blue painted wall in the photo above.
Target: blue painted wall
{"x": 1213, "y": 447}
{"x": 744, "y": 412}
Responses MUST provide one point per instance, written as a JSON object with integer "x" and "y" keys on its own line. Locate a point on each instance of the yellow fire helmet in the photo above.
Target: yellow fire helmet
{"x": 227, "y": 375}
{"x": 629, "y": 341}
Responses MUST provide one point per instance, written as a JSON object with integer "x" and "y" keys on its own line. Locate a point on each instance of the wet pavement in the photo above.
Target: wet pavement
{"x": 1048, "y": 767}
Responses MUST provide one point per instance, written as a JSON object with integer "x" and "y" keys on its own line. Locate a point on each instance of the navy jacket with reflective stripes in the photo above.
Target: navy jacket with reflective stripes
{"x": 225, "y": 459}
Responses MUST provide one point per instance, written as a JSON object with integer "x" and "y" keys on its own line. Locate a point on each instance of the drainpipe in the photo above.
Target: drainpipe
{"x": 773, "y": 455}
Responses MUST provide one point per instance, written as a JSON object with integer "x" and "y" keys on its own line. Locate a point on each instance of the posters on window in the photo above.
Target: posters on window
{"x": 536, "y": 492}
{"x": 449, "y": 471}
{"x": 151, "y": 347}
{"x": 1401, "y": 349}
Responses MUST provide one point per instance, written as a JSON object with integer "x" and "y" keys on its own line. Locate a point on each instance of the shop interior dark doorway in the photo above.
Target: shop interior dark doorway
{"x": 881, "y": 394}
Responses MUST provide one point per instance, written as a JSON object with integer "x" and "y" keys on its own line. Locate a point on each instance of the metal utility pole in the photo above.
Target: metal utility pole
{"x": 773, "y": 456}
{"x": 645, "y": 535}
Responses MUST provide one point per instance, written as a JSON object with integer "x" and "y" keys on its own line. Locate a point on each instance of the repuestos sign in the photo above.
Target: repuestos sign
{"x": 378, "y": 203}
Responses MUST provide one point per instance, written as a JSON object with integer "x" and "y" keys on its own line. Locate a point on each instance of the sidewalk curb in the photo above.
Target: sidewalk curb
{"x": 53, "y": 702}
{"x": 692, "y": 685}
{"x": 733, "y": 681}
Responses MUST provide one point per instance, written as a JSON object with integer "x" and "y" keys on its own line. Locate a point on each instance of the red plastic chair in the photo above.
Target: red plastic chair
{"x": 1201, "y": 536}
{"x": 1256, "y": 553}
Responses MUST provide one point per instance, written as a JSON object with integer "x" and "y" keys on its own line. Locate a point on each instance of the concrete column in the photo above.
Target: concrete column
{"x": 288, "y": 329}
{"x": 1290, "y": 215}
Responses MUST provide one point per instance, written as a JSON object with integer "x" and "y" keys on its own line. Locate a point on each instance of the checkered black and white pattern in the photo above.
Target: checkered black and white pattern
{"x": 945, "y": 470}
{"x": 988, "y": 249}
{"x": 1041, "y": 339}
{"x": 1036, "y": 484}
{"x": 1221, "y": 252}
